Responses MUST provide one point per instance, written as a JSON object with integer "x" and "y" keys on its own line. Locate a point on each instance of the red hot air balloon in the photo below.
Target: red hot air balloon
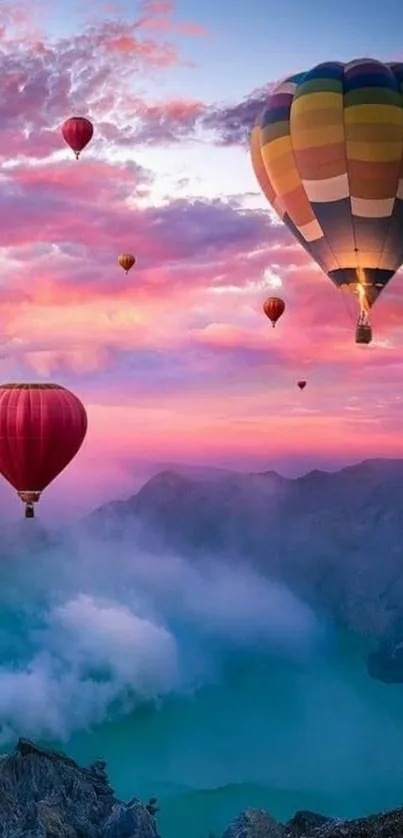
{"x": 42, "y": 427}
{"x": 77, "y": 133}
{"x": 301, "y": 384}
{"x": 273, "y": 308}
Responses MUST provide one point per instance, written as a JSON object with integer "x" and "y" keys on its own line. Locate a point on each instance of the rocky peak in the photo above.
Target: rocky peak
{"x": 45, "y": 794}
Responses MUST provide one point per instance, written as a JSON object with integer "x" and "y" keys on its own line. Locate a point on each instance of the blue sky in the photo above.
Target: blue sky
{"x": 251, "y": 43}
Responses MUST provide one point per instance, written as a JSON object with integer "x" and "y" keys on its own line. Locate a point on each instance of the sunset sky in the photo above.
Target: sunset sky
{"x": 176, "y": 362}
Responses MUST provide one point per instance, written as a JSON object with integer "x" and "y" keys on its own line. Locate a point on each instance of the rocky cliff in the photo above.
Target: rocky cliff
{"x": 45, "y": 794}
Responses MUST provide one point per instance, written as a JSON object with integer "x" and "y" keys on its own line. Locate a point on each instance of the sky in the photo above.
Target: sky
{"x": 176, "y": 363}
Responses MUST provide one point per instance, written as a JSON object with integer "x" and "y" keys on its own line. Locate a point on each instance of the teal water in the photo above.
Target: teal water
{"x": 212, "y": 688}
{"x": 272, "y": 734}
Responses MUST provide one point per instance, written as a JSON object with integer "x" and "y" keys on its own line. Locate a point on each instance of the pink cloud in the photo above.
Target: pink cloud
{"x": 119, "y": 40}
{"x": 165, "y": 24}
{"x": 19, "y": 22}
{"x": 92, "y": 73}
{"x": 87, "y": 183}
{"x": 157, "y": 7}
{"x": 175, "y": 109}
{"x": 183, "y": 265}
{"x": 161, "y": 122}
{"x": 225, "y": 335}
{"x": 194, "y": 30}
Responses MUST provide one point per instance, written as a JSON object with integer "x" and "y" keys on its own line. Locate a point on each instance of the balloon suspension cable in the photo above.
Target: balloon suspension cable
{"x": 363, "y": 319}
{"x": 363, "y": 332}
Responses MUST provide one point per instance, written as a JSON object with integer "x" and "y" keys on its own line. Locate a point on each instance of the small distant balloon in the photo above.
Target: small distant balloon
{"x": 77, "y": 132}
{"x": 301, "y": 384}
{"x": 126, "y": 261}
{"x": 273, "y": 308}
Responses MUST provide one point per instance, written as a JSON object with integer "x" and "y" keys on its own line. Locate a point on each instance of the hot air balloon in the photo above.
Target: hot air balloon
{"x": 77, "y": 133}
{"x": 327, "y": 152}
{"x": 126, "y": 261}
{"x": 42, "y": 427}
{"x": 301, "y": 384}
{"x": 273, "y": 308}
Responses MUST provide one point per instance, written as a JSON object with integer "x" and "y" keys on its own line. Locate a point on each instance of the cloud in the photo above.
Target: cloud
{"x": 232, "y": 124}
{"x": 176, "y": 120}
{"x": 44, "y": 81}
{"x": 88, "y": 656}
{"x": 158, "y": 15}
{"x": 124, "y": 634}
{"x": 150, "y": 653}
{"x": 63, "y": 227}
{"x": 166, "y": 122}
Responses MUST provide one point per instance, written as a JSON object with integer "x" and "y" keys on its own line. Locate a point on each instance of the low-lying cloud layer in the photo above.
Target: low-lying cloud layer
{"x": 194, "y": 676}
{"x": 86, "y": 635}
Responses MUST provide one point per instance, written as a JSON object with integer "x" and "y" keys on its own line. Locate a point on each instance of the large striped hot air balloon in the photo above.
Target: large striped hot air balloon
{"x": 327, "y": 152}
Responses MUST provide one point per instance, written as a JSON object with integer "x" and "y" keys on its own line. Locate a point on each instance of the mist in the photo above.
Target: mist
{"x": 89, "y": 630}
{"x": 191, "y": 677}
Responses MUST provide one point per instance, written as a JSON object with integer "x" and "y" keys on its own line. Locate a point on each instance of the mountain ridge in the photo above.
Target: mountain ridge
{"x": 202, "y": 474}
{"x": 334, "y": 538}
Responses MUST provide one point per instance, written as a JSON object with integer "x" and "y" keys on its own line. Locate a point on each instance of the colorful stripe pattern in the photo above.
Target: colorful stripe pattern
{"x": 328, "y": 154}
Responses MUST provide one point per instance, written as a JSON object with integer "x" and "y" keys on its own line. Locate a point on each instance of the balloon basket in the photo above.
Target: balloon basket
{"x": 363, "y": 333}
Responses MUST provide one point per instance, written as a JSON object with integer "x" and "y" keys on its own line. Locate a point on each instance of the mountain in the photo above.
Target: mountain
{"x": 45, "y": 793}
{"x": 258, "y": 824}
{"x": 336, "y": 539}
{"x": 195, "y": 514}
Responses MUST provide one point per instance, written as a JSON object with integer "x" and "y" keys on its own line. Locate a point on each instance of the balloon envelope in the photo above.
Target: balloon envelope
{"x": 327, "y": 152}
{"x": 42, "y": 427}
{"x": 273, "y": 308}
{"x": 301, "y": 384}
{"x": 126, "y": 261}
{"x": 77, "y": 133}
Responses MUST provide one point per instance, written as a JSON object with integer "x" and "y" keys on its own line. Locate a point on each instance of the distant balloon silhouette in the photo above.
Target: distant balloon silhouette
{"x": 77, "y": 133}
{"x": 301, "y": 384}
{"x": 126, "y": 261}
